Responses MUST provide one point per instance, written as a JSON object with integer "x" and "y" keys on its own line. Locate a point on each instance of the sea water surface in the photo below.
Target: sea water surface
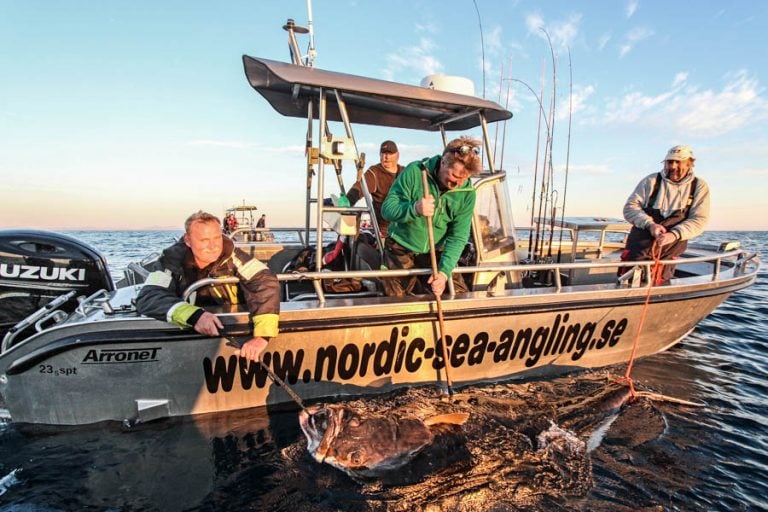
{"x": 652, "y": 455}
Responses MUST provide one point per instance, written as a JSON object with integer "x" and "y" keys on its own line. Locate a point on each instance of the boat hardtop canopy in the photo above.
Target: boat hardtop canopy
{"x": 289, "y": 88}
{"x": 243, "y": 208}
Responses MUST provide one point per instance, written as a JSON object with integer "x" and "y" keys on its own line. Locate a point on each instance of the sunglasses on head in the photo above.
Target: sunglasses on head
{"x": 465, "y": 149}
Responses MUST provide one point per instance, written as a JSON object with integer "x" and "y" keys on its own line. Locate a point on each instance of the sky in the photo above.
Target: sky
{"x": 132, "y": 115}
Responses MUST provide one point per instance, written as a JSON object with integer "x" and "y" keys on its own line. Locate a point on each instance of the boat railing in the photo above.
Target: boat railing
{"x": 293, "y": 235}
{"x": 742, "y": 259}
{"x": 252, "y": 234}
{"x": 51, "y": 314}
{"x": 48, "y": 312}
{"x": 99, "y": 299}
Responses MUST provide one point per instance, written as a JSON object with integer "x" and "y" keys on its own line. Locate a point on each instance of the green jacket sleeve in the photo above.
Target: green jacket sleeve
{"x": 405, "y": 191}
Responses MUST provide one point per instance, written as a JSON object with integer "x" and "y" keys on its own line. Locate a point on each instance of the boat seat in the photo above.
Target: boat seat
{"x": 364, "y": 257}
{"x": 281, "y": 259}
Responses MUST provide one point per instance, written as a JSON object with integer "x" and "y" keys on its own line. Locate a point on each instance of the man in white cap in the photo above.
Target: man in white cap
{"x": 667, "y": 208}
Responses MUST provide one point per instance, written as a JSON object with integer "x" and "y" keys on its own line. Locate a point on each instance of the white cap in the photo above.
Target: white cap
{"x": 679, "y": 153}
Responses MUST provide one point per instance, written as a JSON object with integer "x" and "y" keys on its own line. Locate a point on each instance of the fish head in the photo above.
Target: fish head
{"x": 338, "y": 436}
{"x": 321, "y": 425}
{"x": 361, "y": 444}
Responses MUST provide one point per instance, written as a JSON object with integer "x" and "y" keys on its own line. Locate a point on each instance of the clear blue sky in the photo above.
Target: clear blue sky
{"x": 133, "y": 114}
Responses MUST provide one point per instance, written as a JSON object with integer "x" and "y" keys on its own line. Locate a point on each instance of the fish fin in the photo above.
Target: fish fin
{"x": 665, "y": 398}
{"x": 381, "y": 382}
{"x": 458, "y": 418}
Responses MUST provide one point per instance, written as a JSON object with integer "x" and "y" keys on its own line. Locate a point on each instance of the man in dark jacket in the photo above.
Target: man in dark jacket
{"x": 379, "y": 179}
{"x": 203, "y": 253}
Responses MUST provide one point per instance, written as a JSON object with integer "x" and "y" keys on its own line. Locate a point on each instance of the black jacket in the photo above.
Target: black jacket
{"x": 161, "y": 295}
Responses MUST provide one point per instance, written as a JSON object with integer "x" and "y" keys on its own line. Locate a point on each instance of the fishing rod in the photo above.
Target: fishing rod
{"x": 536, "y": 167}
{"x": 537, "y": 252}
{"x": 536, "y": 163}
{"x": 553, "y": 104}
{"x": 273, "y": 377}
{"x": 280, "y": 382}
{"x": 567, "y": 152}
{"x": 496, "y": 134}
{"x": 504, "y": 130}
{"x": 482, "y": 42}
{"x": 554, "y": 195}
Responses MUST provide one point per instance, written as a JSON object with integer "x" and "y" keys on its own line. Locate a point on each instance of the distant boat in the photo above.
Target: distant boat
{"x": 240, "y": 223}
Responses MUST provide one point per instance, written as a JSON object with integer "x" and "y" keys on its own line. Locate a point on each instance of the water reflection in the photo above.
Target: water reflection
{"x": 525, "y": 445}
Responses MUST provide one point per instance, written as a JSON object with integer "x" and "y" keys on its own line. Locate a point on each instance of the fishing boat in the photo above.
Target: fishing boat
{"x": 79, "y": 353}
{"x": 245, "y": 227}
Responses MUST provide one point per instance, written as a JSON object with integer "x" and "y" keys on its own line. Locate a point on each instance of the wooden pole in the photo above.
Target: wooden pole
{"x": 446, "y": 354}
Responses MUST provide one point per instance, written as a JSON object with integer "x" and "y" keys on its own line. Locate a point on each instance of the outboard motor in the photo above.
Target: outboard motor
{"x": 36, "y": 267}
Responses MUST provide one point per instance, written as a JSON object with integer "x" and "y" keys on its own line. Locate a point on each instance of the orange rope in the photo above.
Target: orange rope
{"x": 655, "y": 277}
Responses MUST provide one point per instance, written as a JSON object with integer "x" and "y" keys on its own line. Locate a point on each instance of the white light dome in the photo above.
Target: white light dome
{"x": 448, "y": 83}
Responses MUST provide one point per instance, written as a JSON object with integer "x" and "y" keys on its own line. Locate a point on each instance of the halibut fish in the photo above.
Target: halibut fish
{"x": 367, "y": 445}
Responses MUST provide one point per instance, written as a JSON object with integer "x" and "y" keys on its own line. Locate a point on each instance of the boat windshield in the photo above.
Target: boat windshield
{"x": 494, "y": 232}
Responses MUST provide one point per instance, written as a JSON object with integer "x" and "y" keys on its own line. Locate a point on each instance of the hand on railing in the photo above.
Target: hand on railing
{"x": 208, "y": 324}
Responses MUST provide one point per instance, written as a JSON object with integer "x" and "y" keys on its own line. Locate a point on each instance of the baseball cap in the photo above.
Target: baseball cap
{"x": 388, "y": 147}
{"x": 679, "y": 153}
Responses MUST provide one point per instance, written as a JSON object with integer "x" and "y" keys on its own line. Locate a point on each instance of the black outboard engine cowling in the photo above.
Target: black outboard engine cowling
{"x": 38, "y": 266}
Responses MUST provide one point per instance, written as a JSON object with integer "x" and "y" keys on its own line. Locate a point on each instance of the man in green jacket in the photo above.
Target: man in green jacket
{"x": 450, "y": 203}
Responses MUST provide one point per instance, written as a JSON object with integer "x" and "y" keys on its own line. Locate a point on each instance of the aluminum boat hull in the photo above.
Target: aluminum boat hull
{"x": 128, "y": 368}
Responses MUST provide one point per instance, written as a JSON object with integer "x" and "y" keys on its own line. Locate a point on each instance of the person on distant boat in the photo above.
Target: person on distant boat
{"x": 230, "y": 223}
{"x": 203, "y": 252}
{"x": 667, "y": 208}
{"x": 262, "y": 222}
{"x": 379, "y": 179}
{"x": 450, "y": 202}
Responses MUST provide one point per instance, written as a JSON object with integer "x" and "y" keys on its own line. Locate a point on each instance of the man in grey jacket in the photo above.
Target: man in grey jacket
{"x": 667, "y": 209}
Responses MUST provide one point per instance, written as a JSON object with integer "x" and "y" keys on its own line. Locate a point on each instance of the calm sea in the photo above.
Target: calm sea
{"x": 653, "y": 455}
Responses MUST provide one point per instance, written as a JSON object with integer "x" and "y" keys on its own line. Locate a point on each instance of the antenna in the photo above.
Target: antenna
{"x": 293, "y": 46}
{"x": 312, "y": 53}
